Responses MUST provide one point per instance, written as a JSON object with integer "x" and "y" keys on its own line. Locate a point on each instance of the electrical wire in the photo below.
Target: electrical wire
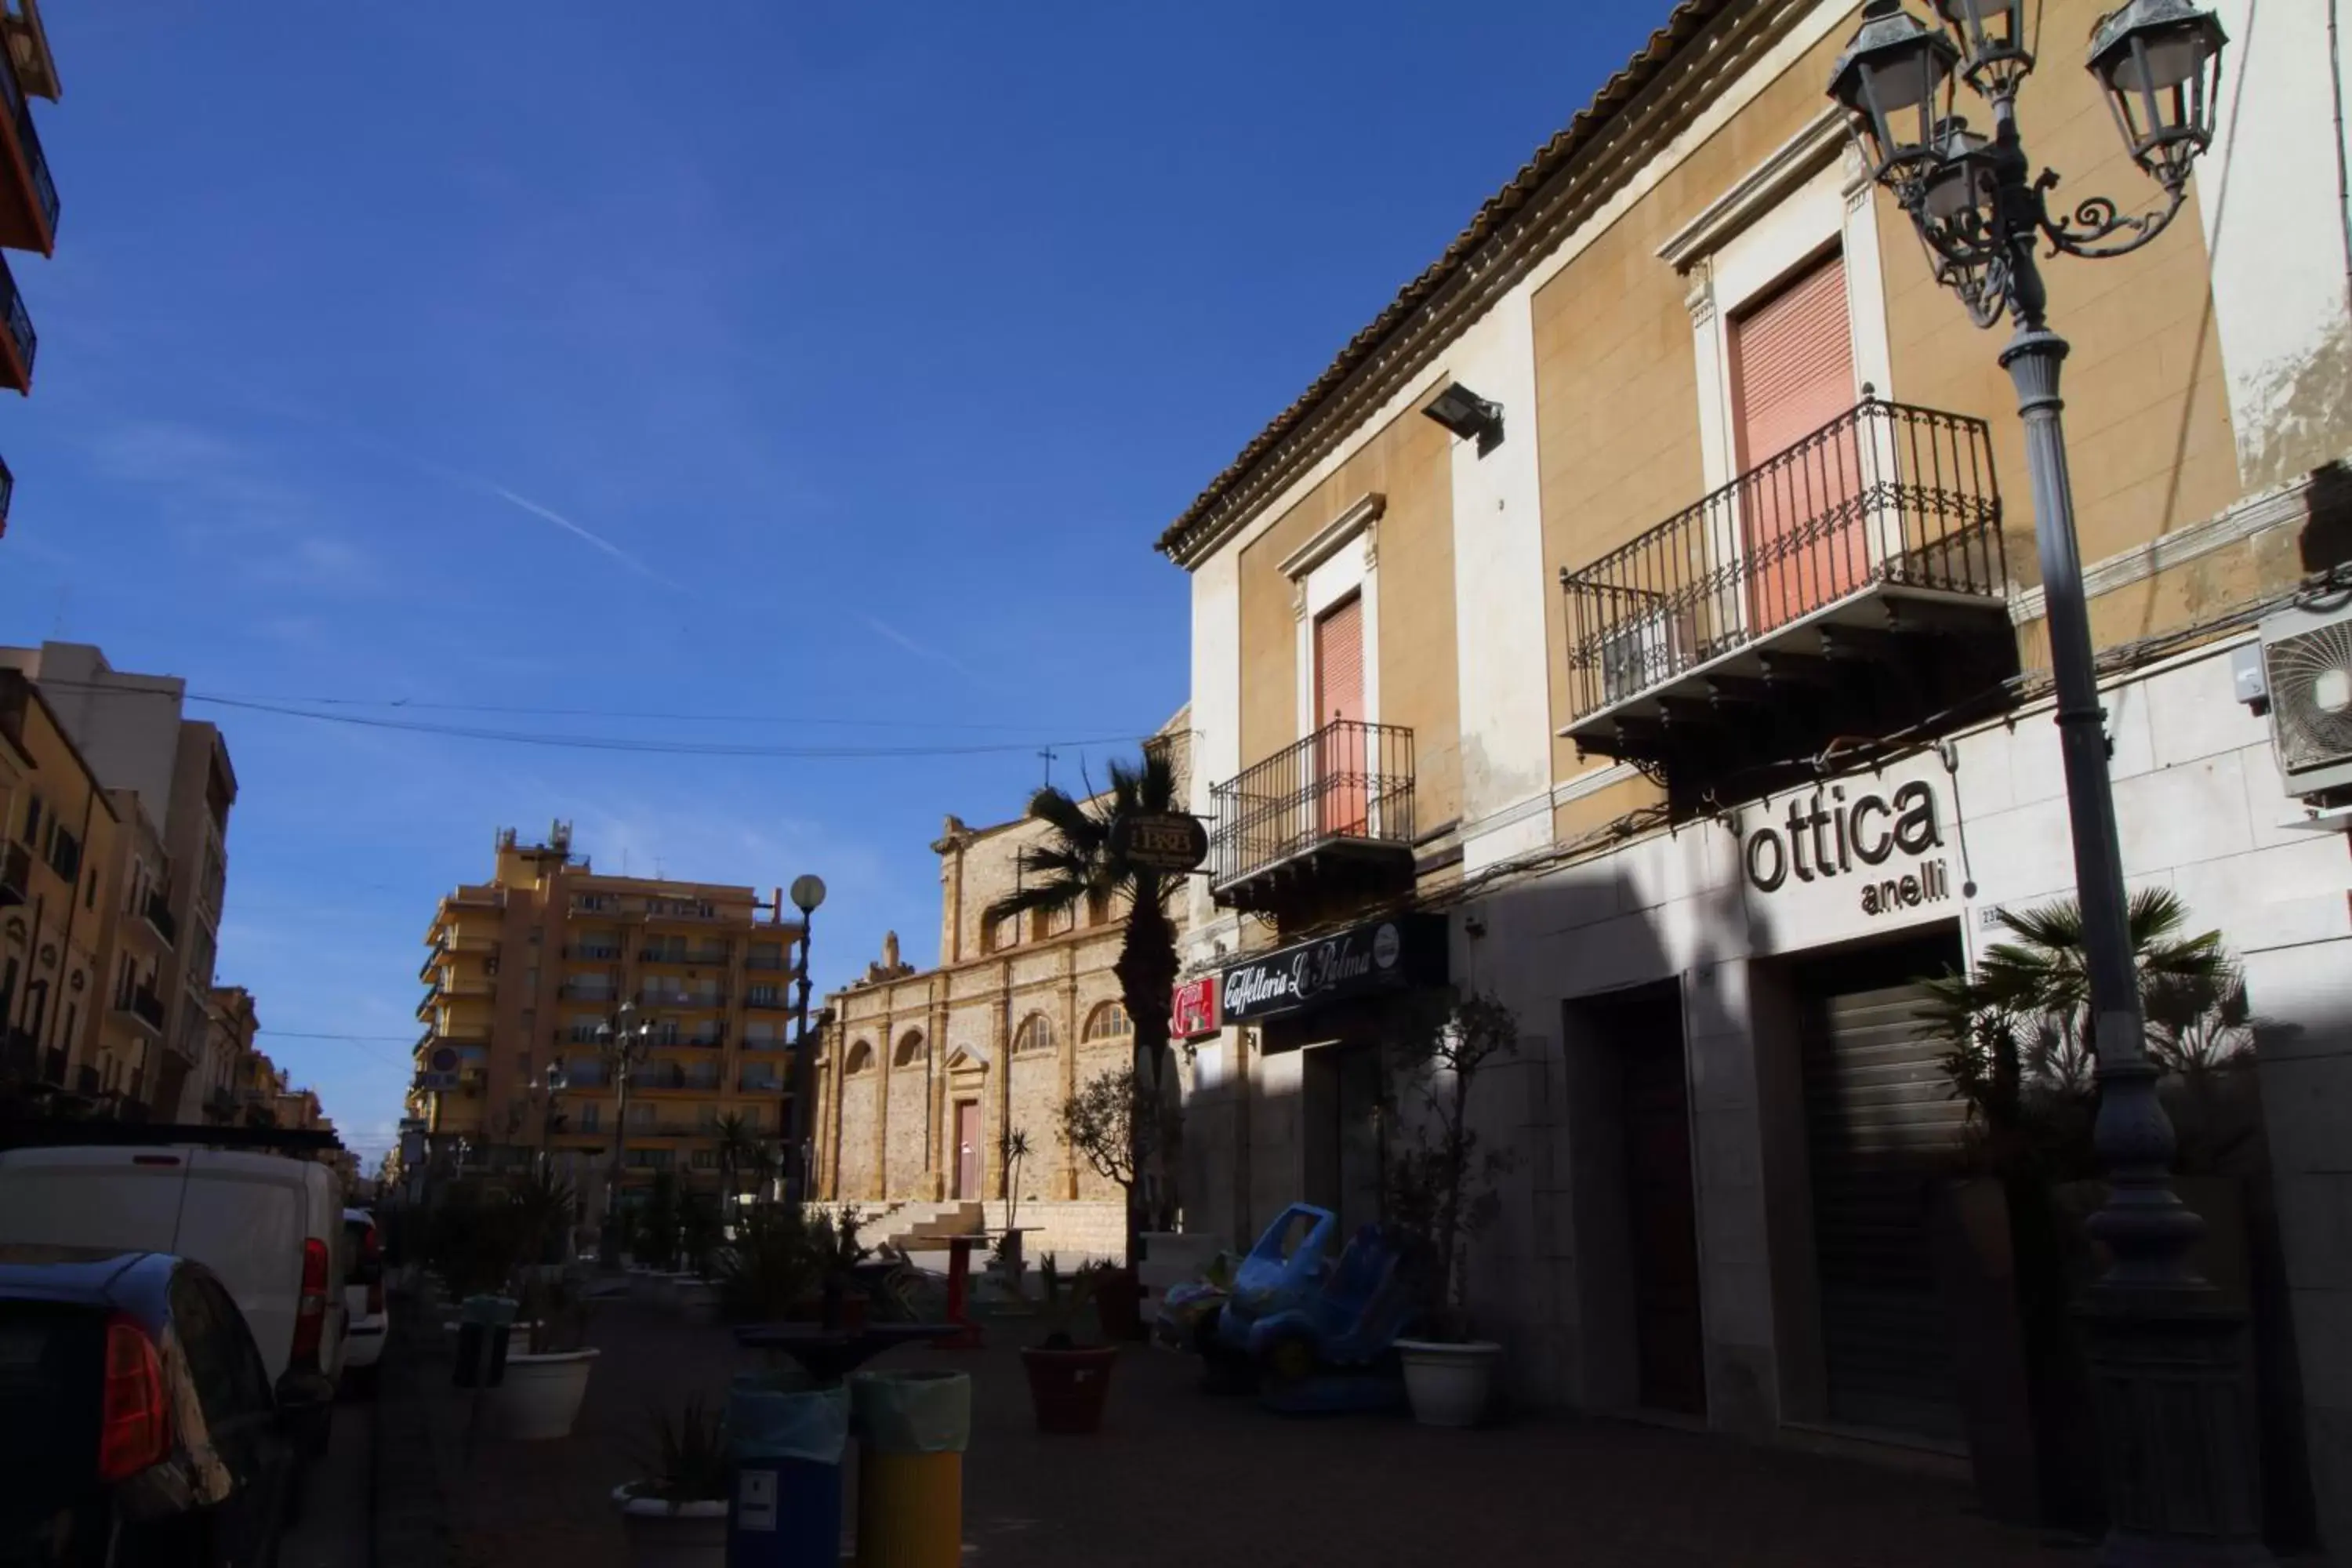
{"x": 408, "y": 704}
{"x": 287, "y": 708}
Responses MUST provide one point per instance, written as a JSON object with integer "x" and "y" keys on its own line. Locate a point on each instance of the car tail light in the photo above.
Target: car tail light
{"x": 311, "y": 1315}
{"x": 134, "y": 1430}
{"x": 371, "y": 1246}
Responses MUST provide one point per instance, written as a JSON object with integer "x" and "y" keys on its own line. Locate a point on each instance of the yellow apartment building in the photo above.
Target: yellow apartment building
{"x": 60, "y": 908}
{"x": 526, "y": 967}
{"x": 1641, "y": 621}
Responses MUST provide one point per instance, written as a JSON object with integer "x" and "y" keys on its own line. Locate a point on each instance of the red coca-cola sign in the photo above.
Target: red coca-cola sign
{"x": 1194, "y": 1012}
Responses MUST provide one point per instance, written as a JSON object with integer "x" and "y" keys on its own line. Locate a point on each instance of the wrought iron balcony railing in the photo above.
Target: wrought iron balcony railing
{"x": 26, "y": 341}
{"x": 1349, "y": 780}
{"x": 1886, "y": 493}
{"x": 156, "y": 909}
{"x": 29, "y": 148}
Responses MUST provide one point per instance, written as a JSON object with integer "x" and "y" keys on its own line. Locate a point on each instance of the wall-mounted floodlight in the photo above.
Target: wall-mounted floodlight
{"x": 1468, "y": 415}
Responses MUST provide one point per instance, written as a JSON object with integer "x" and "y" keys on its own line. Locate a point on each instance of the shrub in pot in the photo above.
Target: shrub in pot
{"x": 1439, "y": 1185}
{"x": 674, "y": 1516}
{"x": 547, "y": 1370}
{"x": 1068, "y": 1382}
{"x": 1113, "y": 1122}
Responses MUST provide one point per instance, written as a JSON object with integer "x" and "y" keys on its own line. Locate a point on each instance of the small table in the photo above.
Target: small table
{"x": 830, "y": 1355}
{"x": 967, "y": 1336}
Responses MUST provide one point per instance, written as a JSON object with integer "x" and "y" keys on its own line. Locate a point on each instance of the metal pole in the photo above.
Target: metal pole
{"x": 2176, "y": 1420}
{"x": 803, "y": 1079}
{"x": 608, "y": 1237}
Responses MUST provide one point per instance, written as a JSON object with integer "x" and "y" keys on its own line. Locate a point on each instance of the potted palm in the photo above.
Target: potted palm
{"x": 1440, "y": 1189}
{"x": 547, "y": 1374}
{"x": 1109, "y": 1122}
{"x": 1068, "y": 1382}
{"x": 675, "y": 1515}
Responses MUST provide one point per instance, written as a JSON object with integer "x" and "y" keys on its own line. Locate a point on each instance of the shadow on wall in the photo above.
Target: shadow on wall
{"x": 2327, "y": 536}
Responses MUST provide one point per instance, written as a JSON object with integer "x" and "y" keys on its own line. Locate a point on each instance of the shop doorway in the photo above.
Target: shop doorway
{"x": 1644, "y": 1029}
{"x": 967, "y": 1148}
{"x": 1882, "y": 1131}
{"x": 1341, "y": 1107}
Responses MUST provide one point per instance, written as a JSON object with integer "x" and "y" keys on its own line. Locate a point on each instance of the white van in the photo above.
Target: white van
{"x": 269, "y": 1225}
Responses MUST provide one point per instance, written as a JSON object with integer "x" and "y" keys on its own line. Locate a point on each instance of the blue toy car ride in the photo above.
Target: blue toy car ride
{"x": 1311, "y": 1325}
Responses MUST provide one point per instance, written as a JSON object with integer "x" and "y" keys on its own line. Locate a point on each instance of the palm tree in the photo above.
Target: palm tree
{"x": 741, "y": 1153}
{"x": 1081, "y": 863}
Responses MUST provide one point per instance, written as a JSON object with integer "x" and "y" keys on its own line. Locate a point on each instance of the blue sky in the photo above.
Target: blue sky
{"x": 797, "y": 359}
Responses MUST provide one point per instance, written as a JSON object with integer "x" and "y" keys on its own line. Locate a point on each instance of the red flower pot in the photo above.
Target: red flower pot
{"x": 1068, "y": 1387}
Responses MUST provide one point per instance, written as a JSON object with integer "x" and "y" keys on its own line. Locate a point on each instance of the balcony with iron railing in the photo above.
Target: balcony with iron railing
{"x": 1332, "y": 814}
{"x": 1829, "y": 591}
{"x": 29, "y": 196}
{"x": 156, "y": 910}
{"x": 19, "y": 343}
{"x": 144, "y": 1005}
{"x": 15, "y": 874}
{"x": 683, "y": 958}
{"x": 686, "y": 1001}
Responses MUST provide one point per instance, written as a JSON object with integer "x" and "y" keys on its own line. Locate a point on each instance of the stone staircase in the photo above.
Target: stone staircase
{"x": 912, "y": 1223}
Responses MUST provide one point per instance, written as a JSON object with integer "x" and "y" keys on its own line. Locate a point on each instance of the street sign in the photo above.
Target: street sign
{"x": 1195, "y": 1013}
{"x": 444, "y": 1059}
{"x": 437, "y": 1080}
{"x": 1172, "y": 842}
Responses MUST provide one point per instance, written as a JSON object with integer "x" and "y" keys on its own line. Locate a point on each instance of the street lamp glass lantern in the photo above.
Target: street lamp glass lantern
{"x": 1896, "y": 79}
{"x": 1996, "y": 38}
{"x": 1952, "y": 195}
{"x": 808, "y": 892}
{"x": 2161, "y": 63}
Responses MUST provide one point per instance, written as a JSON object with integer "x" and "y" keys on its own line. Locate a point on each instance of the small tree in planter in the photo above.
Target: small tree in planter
{"x": 1111, "y": 1123}
{"x": 1068, "y": 1382}
{"x": 1439, "y": 1186}
{"x": 1011, "y": 1153}
{"x": 676, "y": 1512}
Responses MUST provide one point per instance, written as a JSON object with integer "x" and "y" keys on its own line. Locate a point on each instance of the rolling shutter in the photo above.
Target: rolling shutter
{"x": 1792, "y": 373}
{"x": 1339, "y": 663}
{"x": 1883, "y": 1131}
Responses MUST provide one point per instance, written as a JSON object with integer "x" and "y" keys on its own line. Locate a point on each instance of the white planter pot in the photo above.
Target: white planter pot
{"x": 1449, "y": 1384}
{"x": 540, "y": 1395}
{"x": 672, "y": 1534}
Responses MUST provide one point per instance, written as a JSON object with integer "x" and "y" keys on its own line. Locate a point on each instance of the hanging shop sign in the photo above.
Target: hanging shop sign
{"x": 1381, "y": 956}
{"x": 1195, "y": 1011}
{"x": 1172, "y": 843}
{"x": 1885, "y": 848}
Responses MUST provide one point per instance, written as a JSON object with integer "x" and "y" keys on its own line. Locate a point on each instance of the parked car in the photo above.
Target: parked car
{"x": 267, "y": 1225}
{"x": 363, "y": 1300}
{"x": 138, "y": 1428}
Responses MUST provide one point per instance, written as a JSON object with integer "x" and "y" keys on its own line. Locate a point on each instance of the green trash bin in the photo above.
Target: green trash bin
{"x": 911, "y": 1429}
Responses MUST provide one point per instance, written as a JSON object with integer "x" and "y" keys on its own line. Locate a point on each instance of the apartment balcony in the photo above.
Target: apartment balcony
{"x": 7, "y": 494}
{"x": 156, "y": 910}
{"x": 28, "y": 197}
{"x": 750, "y": 1082}
{"x": 700, "y": 1040}
{"x": 675, "y": 958}
{"x": 144, "y": 1005}
{"x": 768, "y": 1001}
{"x": 572, "y": 991}
{"x": 768, "y": 965}
{"x": 1331, "y": 815}
{"x": 1851, "y": 586}
{"x": 19, "y": 342}
{"x": 657, "y": 1077}
{"x": 689, "y": 1001}
{"x": 15, "y": 874}
{"x": 593, "y": 952}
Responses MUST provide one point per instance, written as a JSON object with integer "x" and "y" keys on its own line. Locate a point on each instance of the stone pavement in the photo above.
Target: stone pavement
{"x": 1178, "y": 1479}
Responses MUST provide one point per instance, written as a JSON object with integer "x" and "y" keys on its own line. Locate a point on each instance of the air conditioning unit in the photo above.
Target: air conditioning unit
{"x": 2308, "y": 667}
{"x": 1644, "y": 651}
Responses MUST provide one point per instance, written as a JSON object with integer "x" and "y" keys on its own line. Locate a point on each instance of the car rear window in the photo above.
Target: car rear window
{"x": 51, "y": 1361}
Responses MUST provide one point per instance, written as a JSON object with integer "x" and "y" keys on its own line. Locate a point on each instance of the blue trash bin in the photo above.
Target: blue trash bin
{"x": 784, "y": 1445}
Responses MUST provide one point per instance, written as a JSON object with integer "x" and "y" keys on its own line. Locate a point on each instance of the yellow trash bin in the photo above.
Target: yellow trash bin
{"x": 911, "y": 1428}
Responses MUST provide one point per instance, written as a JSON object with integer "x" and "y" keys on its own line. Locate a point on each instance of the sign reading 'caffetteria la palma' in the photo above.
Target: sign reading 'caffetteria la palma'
{"x": 1381, "y": 956}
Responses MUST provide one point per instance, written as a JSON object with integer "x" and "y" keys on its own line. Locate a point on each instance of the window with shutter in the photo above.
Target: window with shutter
{"x": 1792, "y": 373}
{"x": 1339, "y": 714}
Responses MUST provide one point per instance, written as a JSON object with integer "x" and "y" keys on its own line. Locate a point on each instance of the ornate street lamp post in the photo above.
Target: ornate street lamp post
{"x": 2167, "y": 1361}
{"x": 623, "y": 1039}
{"x": 807, "y": 894}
